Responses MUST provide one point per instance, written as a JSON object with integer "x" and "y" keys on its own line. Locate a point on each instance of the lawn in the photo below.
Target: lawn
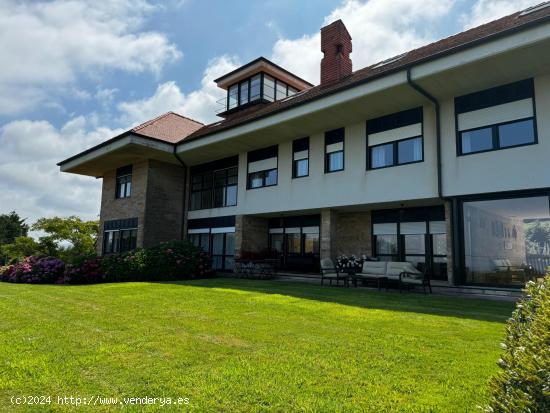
{"x": 244, "y": 345}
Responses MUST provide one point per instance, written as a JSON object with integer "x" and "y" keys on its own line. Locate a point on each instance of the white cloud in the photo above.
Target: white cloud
{"x": 48, "y": 44}
{"x": 484, "y": 11}
{"x": 379, "y": 30}
{"x": 31, "y": 183}
{"x": 199, "y": 104}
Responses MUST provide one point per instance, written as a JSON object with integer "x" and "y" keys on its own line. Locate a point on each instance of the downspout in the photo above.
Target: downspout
{"x": 435, "y": 102}
{"x": 454, "y": 206}
{"x": 184, "y": 212}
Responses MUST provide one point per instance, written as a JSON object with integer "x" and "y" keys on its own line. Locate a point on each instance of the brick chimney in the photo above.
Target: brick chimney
{"x": 336, "y": 46}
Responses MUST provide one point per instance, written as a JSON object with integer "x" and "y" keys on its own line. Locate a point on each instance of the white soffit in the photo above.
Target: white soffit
{"x": 409, "y": 131}
{"x": 496, "y": 114}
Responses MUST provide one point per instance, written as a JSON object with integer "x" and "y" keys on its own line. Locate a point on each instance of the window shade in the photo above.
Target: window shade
{"x": 385, "y": 229}
{"x": 409, "y": 228}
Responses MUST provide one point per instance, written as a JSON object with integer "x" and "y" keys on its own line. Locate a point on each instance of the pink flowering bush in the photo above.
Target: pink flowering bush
{"x": 172, "y": 260}
{"x": 86, "y": 270}
{"x": 34, "y": 270}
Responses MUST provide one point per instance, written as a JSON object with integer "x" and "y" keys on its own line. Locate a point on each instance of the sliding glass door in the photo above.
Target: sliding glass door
{"x": 416, "y": 235}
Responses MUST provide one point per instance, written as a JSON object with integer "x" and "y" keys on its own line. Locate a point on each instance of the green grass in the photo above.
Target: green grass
{"x": 243, "y": 345}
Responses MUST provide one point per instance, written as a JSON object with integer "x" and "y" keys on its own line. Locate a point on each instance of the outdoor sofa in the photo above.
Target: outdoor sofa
{"x": 403, "y": 273}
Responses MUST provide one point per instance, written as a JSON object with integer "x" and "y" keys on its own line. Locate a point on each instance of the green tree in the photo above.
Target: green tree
{"x": 21, "y": 247}
{"x": 537, "y": 234}
{"x": 66, "y": 237}
{"x": 11, "y": 227}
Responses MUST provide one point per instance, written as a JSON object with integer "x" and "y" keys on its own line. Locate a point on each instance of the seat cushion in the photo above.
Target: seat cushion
{"x": 330, "y": 275}
{"x": 397, "y": 267}
{"x": 374, "y": 267}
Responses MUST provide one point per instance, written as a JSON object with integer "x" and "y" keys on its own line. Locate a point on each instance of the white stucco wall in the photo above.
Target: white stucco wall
{"x": 353, "y": 186}
{"x": 509, "y": 169}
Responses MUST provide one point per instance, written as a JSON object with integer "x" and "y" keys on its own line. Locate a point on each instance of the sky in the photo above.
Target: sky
{"x": 75, "y": 73}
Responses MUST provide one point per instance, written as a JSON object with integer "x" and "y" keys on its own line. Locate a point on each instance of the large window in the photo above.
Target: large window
{"x": 334, "y": 150}
{"x": 497, "y": 118}
{"x": 219, "y": 242}
{"x": 262, "y": 167}
{"x": 214, "y": 185}
{"x": 297, "y": 245}
{"x": 225, "y": 187}
{"x": 417, "y": 235}
{"x": 258, "y": 87}
{"x": 120, "y": 235}
{"x": 506, "y": 241}
{"x": 395, "y": 139}
{"x": 300, "y": 158}
{"x": 124, "y": 182}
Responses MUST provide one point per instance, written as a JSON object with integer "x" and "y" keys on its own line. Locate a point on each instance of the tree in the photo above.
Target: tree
{"x": 21, "y": 247}
{"x": 537, "y": 234}
{"x": 67, "y": 237}
{"x": 11, "y": 227}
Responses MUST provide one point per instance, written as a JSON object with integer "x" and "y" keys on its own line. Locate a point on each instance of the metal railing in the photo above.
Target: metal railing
{"x": 269, "y": 94}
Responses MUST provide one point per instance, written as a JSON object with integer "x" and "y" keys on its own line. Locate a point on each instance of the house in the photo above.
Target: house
{"x": 438, "y": 156}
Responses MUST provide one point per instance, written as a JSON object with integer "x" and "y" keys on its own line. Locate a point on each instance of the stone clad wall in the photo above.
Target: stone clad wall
{"x": 164, "y": 203}
{"x": 157, "y": 201}
{"x": 251, "y": 234}
{"x": 134, "y": 206}
{"x": 353, "y": 234}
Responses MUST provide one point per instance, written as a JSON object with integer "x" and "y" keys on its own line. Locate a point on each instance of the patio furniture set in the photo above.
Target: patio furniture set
{"x": 381, "y": 273}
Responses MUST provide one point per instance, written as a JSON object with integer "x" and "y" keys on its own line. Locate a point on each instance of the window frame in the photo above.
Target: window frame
{"x": 264, "y": 172}
{"x": 124, "y": 173}
{"x": 342, "y": 151}
{"x": 498, "y": 95}
{"x": 295, "y": 161}
{"x": 117, "y": 248}
{"x": 495, "y": 134}
{"x": 212, "y": 188}
{"x": 395, "y": 148}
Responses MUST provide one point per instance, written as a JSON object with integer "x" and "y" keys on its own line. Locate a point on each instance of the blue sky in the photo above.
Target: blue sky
{"x": 77, "y": 72}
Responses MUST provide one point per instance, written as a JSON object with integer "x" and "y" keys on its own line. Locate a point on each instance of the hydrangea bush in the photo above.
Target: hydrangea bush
{"x": 168, "y": 261}
{"x": 34, "y": 270}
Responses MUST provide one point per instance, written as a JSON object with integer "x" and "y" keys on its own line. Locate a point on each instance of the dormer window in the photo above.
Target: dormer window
{"x": 260, "y": 81}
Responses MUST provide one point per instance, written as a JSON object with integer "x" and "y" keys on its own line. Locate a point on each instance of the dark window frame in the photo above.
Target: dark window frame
{"x": 299, "y": 145}
{"x": 123, "y": 174}
{"x": 258, "y": 155}
{"x": 459, "y": 263}
{"x": 116, "y": 249}
{"x": 395, "y": 147}
{"x": 331, "y": 137}
{"x": 502, "y": 94}
{"x": 495, "y": 133}
{"x": 212, "y": 188}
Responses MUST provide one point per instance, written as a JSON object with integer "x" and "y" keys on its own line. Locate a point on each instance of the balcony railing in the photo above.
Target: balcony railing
{"x": 269, "y": 94}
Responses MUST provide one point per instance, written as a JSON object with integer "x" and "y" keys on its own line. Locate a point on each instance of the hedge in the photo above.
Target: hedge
{"x": 168, "y": 261}
{"x": 523, "y": 385}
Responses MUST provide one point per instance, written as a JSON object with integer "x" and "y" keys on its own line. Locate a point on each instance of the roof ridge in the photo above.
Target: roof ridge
{"x": 149, "y": 122}
{"x": 185, "y": 117}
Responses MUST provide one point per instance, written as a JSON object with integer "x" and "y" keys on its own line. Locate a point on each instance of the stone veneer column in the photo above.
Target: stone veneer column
{"x": 353, "y": 234}
{"x": 251, "y": 234}
{"x": 328, "y": 233}
{"x": 449, "y": 227}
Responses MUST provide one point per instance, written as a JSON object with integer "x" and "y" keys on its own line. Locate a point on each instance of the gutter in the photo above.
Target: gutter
{"x": 184, "y": 217}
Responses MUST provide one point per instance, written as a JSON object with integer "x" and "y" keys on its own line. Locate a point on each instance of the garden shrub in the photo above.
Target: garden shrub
{"x": 168, "y": 261}
{"x": 176, "y": 260}
{"x": 34, "y": 270}
{"x": 83, "y": 270}
{"x": 523, "y": 385}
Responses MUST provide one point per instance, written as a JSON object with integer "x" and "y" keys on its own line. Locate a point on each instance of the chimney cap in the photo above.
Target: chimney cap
{"x": 340, "y": 25}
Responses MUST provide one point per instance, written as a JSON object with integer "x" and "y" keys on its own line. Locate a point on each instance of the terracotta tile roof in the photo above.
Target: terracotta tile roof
{"x": 170, "y": 127}
{"x": 431, "y": 51}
